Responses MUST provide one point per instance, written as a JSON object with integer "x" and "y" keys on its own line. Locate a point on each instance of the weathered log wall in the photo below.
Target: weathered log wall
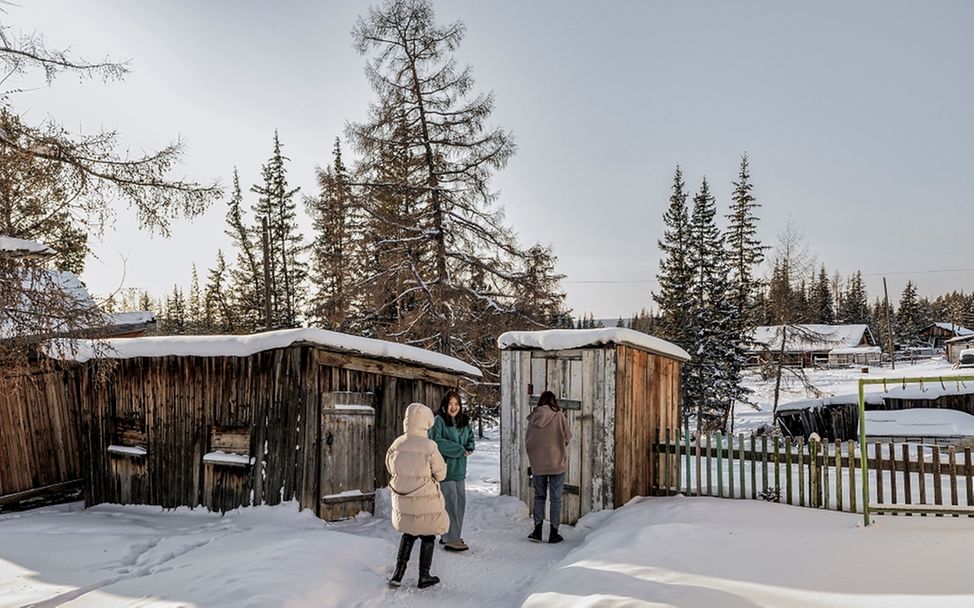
{"x": 38, "y": 434}
{"x": 190, "y": 406}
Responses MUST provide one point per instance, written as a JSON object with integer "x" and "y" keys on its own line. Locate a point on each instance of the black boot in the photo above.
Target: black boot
{"x": 553, "y": 536}
{"x": 402, "y": 559}
{"x": 535, "y": 537}
{"x": 425, "y": 561}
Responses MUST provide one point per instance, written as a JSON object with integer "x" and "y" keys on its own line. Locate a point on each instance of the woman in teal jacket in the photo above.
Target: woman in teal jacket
{"x": 453, "y": 436}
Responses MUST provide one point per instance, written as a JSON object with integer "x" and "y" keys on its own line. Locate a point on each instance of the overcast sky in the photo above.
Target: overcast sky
{"x": 857, "y": 118}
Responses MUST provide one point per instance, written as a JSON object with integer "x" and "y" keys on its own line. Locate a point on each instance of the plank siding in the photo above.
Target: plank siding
{"x": 38, "y": 431}
{"x": 267, "y": 405}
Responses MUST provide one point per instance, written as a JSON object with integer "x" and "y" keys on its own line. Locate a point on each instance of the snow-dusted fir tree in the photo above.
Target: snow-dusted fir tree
{"x": 219, "y": 316}
{"x": 336, "y": 251}
{"x": 745, "y": 253}
{"x": 744, "y": 250}
{"x": 194, "y": 305}
{"x": 454, "y": 254}
{"x": 910, "y": 317}
{"x": 820, "y": 302}
{"x": 288, "y": 270}
{"x": 855, "y": 305}
{"x": 246, "y": 280}
{"x": 674, "y": 275}
{"x": 174, "y": 315}
{"x": 711, "y": 384}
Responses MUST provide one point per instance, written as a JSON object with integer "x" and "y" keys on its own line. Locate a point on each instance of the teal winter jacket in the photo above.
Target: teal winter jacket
{"x": 454, "y": 444}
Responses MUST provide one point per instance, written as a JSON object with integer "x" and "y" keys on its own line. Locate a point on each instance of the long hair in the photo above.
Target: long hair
{"x": 548, "y": 398}
{"x": 461, "y": 420}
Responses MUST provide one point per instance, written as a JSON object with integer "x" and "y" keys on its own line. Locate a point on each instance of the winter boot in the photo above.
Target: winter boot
{"x": 402, "y": 559}
{"x": 425, "y": 561}
{"x": 553, "y": 536}
{"x": 535, "y": 537}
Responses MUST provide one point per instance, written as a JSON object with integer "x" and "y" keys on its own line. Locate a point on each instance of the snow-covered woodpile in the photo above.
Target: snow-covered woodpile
{"x": 226, "y": 421}
{"x": 617, "y": 387}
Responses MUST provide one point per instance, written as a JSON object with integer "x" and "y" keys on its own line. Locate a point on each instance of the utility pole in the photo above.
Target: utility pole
{"x": 889, "y": 326}
{"x": 267, "y": 274}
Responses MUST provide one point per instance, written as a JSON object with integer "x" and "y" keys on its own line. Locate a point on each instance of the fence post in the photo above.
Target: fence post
{"x": 825, "y": 474}
{"x": 814, "y": 496}
{"x": 740, "y": 454}
{"x": 907, "y": 486}
{"x": 710, "y": 487}
{"x": 801, "y": 472}
{"x": 720, "y": 465}
{"x": 788, "y": 468}
{"x": 754, "y": 468}
{"x": 730, "y": 465}
{"x": 852, "y": 475}
{"x": 838, "y": 475}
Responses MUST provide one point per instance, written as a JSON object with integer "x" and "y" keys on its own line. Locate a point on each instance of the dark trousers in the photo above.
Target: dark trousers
{"x": 545, "y": 485}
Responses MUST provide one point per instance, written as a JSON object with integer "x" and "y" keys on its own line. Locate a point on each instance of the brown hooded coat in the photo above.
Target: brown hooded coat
{"x": 546, "y": 441}
{"x": 416, "y": 467}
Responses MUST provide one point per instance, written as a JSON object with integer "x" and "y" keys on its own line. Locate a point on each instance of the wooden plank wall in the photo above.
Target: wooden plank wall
{"x": 586, "y": 376}
{"x": 38, "y": 431}
{"x": 647, "y": 398}
{"x": 277, "y": 394}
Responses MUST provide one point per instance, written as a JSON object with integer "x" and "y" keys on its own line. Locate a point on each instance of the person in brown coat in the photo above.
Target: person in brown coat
{"x": 418, "y": 510}
{"x": 546, "y": 441}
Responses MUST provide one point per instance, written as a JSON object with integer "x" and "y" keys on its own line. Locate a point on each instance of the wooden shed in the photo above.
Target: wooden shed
{"x": 617, "y": 387}
{"x": 229, "y": 421}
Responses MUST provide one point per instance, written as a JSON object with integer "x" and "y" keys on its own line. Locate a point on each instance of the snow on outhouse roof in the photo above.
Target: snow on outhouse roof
{"x": 21, "y": 248}
{"x": 566, "y": 339}
{"x": 811, "y": 337}
{"x": 243, "y": 346}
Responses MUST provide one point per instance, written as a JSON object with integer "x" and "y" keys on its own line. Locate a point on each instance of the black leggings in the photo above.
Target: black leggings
{"x": 425, "y": 538}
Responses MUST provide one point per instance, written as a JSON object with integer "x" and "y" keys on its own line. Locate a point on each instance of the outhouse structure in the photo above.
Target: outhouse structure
{"x": 229, "y": 421}
{"x": 618, "y": 388}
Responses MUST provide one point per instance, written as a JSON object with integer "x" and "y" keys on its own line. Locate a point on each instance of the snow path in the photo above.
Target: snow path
{"x": 500, "y": 566}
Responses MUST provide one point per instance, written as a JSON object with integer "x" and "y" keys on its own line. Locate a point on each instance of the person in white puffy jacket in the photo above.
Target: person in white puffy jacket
{"x": 418, "y": 509}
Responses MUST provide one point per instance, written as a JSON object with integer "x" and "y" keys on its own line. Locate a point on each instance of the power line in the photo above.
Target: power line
{"x": 865, "y": 274}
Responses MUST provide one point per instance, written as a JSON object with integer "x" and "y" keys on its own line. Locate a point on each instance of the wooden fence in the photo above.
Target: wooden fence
{"x": 917, "y": 478}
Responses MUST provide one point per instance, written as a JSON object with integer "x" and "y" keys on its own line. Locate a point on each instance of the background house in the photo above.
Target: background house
{"x": 805, "y": 344}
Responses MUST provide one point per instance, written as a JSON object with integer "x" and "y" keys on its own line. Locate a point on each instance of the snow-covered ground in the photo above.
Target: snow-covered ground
{"x": 653, "y": 552}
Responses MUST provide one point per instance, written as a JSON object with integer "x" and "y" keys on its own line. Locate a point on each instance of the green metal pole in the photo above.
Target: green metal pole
{"x": 863, "y": 455}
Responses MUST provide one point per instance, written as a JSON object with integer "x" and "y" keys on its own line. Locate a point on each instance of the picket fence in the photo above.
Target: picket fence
{"x": 904, "y": 478}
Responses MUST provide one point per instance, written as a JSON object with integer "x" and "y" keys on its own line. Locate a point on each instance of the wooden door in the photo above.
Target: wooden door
{"x": 561, "y": 373}
{"x": 347, "y": 470}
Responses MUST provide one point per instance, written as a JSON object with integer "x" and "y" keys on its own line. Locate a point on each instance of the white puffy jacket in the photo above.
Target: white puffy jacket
{"x": 417, "y": 467}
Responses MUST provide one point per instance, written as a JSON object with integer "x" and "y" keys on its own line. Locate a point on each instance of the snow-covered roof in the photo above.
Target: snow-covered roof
{"x": 566, "y": 339}
{"x": 919, "y": 422}
{"x": 132, "y": 318}
{"x": 810, "y": 337}
{"x": 243, "y": 346}
{"x": 958, "y": 330}
{"x": 958, "y": 339}
{"x": 928, "y": 391}
{"x": 856, "y": 350}
{"x": 22, "y": 248}
{"x": 805, "y": 404}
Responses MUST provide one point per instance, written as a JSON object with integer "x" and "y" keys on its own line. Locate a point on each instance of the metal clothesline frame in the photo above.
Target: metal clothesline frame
{"x": 863, "y": 448}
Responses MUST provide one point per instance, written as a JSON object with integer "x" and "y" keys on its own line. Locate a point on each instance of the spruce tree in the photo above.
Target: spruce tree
{"x": 675, "y": 276}
{"x": 710, "y": 386}
{"x": 288, "y": 271}
{"x": 910, "y": 319}
{"x": 219, "y": 316}
{"x": 246, "y": 280}
{"x": 855, "y": 304}
{"x": 821, "y": 299}
{"x": 744, "y": 250}
{"x": 336, "y": 251}
{"x": 194, "y": 306}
